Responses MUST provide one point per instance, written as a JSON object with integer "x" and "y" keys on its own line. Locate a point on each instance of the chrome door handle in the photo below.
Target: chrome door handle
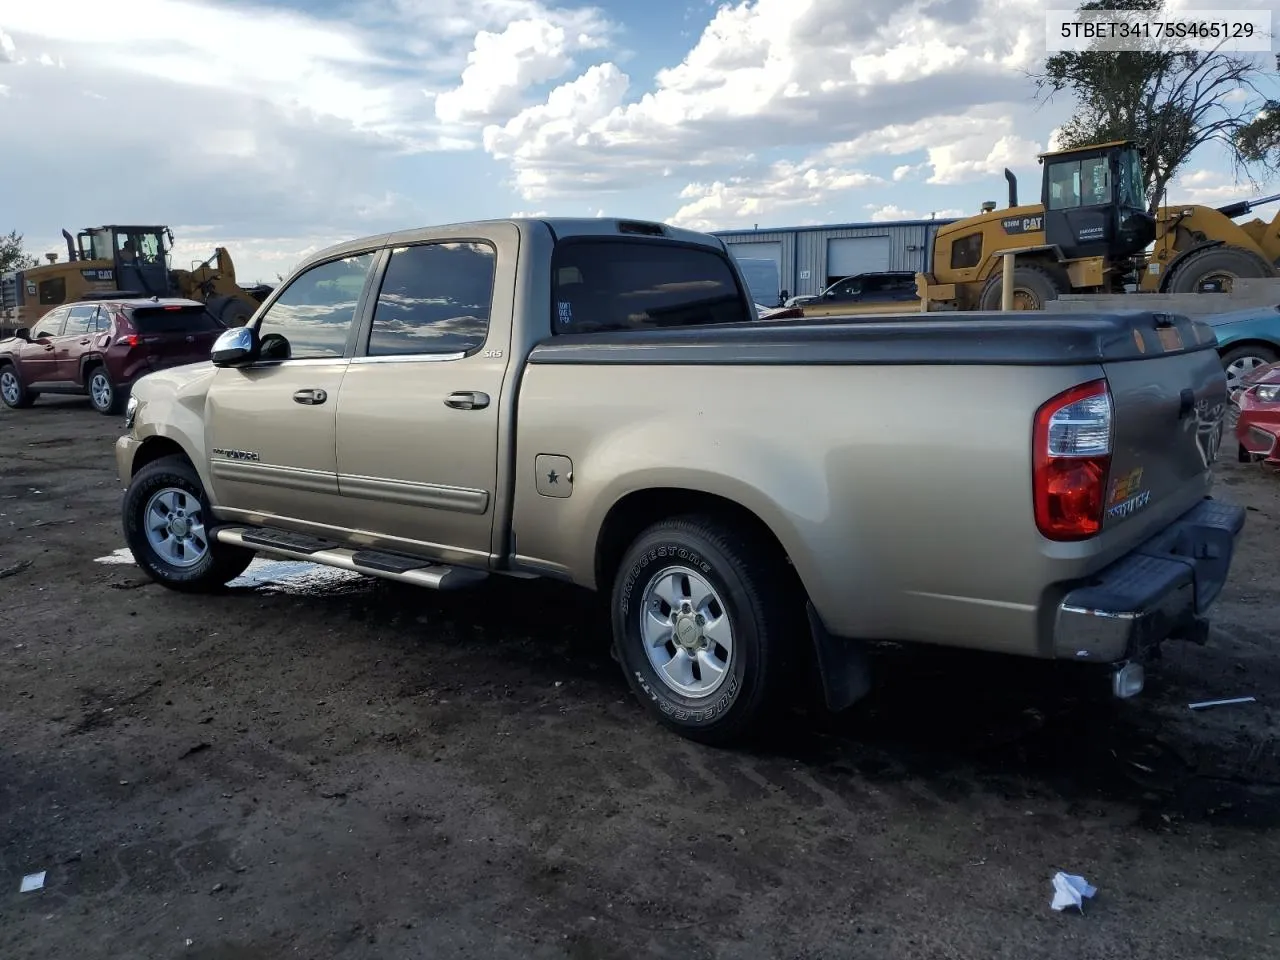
{"x": 84, "y": 342}
{"x": 467, "y": 400}
{"x": 310, "y": 397}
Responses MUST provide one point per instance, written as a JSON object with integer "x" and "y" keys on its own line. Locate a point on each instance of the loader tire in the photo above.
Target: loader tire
{"x": 1221, "y": 264}
{"x": 235, "y": 313}
{"x": 1034, "y": 284}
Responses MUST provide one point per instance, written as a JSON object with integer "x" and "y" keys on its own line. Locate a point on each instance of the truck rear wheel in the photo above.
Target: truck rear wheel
{"x": 1034, "y": 285}
{"x": 167, "y": 521}
{"x": 701, "y": 617}
{"x": 1215, "y": 269}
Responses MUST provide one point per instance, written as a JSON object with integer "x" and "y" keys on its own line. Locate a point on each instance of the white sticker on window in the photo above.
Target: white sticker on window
{"x": 566, "y": 312}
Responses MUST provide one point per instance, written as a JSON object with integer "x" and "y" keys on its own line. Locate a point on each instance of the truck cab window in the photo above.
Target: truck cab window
{"x": 313, "y": 316}
{"x": 630, "y": 285}
{"x": 435, "y": 298}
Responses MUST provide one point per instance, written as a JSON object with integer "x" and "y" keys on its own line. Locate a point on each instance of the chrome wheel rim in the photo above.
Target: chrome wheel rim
{"x": 174, "y": 523}
{"x": 9, "y": 386}
{"x": 686, "y": 631}
{"x": 1240, "y": 368}
{"x": 100, "y": 390}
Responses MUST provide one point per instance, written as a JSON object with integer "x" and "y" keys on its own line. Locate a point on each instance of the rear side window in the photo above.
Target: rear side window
{"x": 435, "y": 298}
{"x": 630, "y": 285}
{"x": 192, "y": 319}
{"x": 80, "y": 321}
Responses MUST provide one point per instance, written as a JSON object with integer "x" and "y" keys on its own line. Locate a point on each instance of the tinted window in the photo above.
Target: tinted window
{"x": 435, "y": 298}
{"x": 619, "y": 285}
{"x": 315, "y": 312}
{"x": 53, "y": 291}
{"x": 846, "y": 289}
{"x": 966, "y": 252}
{"x": 80, "y": 321}
{"x": 173, "y": 319}
{"x": 50, "y": 325}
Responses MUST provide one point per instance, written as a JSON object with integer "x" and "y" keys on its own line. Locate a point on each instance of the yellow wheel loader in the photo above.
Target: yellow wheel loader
{"x": 1090, "y": 233}
{"x": 124, "y": 261}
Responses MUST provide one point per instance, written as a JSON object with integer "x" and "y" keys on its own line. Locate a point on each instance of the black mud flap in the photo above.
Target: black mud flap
{"x": 843, "y": 665}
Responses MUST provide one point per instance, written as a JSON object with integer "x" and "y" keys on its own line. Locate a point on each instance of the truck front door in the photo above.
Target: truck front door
{"x": 419, "y": 414}
{"x": 270, "y": 427}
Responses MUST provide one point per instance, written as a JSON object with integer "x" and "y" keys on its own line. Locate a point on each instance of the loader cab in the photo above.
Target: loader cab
{"x": 1095, "y": 202}
{"x": 138, "y": 256}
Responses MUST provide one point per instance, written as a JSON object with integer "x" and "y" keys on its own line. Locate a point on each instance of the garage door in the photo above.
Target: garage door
{"x": 849, "y": 255}
{"x": 764, "y": 283}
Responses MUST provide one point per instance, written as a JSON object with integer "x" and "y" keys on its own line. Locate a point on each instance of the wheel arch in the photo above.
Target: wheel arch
{"x": 1251, "y": 341}
{"x": 634, "y": 512}
{"x": 88, "y": 361}
{"x": 157, "y": 448}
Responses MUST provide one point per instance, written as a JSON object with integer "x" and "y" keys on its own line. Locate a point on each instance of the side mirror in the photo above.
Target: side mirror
{"x": 236, "y": 347}
{"x": 23, "y": 333}
{"x": 829, "y": 295}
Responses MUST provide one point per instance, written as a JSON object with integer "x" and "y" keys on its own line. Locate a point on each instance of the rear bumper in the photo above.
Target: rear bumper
{"x": 1160, "y": 591}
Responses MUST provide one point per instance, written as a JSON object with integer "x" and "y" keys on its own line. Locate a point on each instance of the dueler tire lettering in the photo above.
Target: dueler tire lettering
{"x": 764, "y": 605}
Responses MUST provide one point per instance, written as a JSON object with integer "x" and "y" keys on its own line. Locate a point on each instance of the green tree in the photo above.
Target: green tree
{"x": 1173, "y": 100}
{"x": 12, "y": 256}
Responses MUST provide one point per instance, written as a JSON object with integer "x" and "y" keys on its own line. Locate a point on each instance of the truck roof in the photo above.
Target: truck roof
{"x": 560, "y": 227}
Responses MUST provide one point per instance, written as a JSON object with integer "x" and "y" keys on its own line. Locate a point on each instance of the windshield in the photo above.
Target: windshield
{"x": 1132, "y": 191}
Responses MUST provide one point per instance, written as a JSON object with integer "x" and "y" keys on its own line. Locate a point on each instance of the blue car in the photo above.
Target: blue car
{"x": 1247, "y": 339}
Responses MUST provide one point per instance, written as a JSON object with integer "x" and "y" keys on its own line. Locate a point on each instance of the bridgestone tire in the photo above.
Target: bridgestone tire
{"x": 1041, "y": 282}
{"x": 1218, "y": 261}
{"x": 220, "y": 565}
{"x": 765, "y": 614}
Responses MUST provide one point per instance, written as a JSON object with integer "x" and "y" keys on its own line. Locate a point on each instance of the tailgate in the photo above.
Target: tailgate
{"x": 1168, "y": 419}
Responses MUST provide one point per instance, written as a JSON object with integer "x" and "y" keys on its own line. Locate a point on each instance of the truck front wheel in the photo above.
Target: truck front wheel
{"x": 702, "y": 619}
{"x": 167, "y": 521}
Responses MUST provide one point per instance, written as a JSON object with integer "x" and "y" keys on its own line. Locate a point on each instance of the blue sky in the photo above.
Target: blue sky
{"x": 279, "y": 127}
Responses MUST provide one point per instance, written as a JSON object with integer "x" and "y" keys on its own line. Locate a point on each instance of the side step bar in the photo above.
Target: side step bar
{"x": 374, "y": 563}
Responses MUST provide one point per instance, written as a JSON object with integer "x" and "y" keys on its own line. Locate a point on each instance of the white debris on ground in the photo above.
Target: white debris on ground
{"x": 1070, "y": 890}
{"x": 32, "y": 881}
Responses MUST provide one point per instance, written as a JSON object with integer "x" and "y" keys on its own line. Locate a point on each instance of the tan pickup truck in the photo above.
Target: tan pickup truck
{"x": 596, "y": 401}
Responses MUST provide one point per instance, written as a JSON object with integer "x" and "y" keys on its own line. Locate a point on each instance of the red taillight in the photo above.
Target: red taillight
{"x": 1071, "y": 450}
{"x": 130, "y": 341}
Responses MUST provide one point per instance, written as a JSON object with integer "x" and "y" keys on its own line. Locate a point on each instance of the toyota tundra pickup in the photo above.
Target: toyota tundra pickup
{"x": 597, "y": 401}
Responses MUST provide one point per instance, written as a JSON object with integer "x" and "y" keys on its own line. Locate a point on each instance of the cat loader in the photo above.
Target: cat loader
{"x": 1091, "y": 233}
{"x": 118, "y": 261}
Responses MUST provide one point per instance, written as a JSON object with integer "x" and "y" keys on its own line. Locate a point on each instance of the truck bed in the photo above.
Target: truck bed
{"x": 891, "y": 459}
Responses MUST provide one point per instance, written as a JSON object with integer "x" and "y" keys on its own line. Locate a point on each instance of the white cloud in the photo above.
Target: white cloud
{"x": 787, "y": 73}
{"x": 8, "y": 51}
{"x": 973, "y": 147}
{"x": 889, "y": 212}
{"x": 742, "y": 200}
{"x": 501, "y": 67}
{"x": 1209, "y": 187}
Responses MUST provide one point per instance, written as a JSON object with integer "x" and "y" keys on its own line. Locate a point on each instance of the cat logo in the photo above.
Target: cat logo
{"x": 1022, "y": 224}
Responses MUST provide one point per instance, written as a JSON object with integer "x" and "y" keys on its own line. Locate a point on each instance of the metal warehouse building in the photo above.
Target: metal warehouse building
{"x": 810, "y": 259}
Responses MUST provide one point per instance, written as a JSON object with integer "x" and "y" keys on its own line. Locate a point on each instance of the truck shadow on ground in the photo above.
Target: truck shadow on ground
{"x": 955, "y": 721}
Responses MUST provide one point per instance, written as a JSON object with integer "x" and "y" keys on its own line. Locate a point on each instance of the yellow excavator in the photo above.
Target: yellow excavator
{"x": 120, "y": 261}
{"x": 1091, "y": 233}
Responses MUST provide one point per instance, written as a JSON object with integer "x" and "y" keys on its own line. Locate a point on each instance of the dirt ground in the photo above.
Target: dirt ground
{"x": 341, "y": 767}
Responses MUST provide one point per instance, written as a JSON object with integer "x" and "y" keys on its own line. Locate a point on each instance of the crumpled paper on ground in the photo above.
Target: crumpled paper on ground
{"x": 1070, "y": 890}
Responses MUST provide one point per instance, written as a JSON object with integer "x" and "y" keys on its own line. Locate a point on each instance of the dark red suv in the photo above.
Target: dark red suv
{"x": 101, "y": 347}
